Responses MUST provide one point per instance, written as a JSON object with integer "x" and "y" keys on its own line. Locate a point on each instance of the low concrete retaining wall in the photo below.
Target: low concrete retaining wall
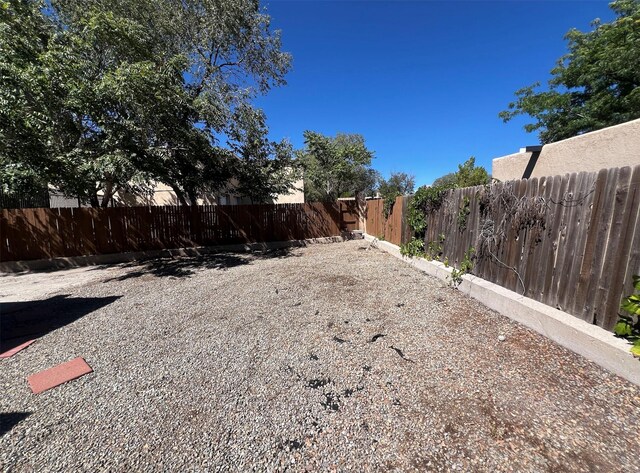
{"x": 590, "y": 341}
{"x": 78, "y": 261}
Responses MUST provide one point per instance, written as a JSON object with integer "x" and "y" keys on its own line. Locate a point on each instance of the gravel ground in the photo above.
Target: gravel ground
{"x": 16, "y": 287}
{"x": 329, "y": 357}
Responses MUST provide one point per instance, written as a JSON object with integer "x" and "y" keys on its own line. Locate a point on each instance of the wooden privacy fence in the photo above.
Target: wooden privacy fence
{"x": 29, "y": 234}
{"x": 394, "y": 228}
{"x": 571, "y": 242}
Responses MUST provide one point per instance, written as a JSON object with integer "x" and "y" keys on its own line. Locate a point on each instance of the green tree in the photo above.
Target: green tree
{"x": 595, "y": 85}
{"x": 32, "y": 117}
{"x": 263, "y": 168}
{"x": 399, "y": 183}
{"x": 448, "y": 180}
{"x": 112, "y": 95}
{"x": 429, "y": 198}
{"x": 335, "y": 167}
{"x": 467, "y": 175}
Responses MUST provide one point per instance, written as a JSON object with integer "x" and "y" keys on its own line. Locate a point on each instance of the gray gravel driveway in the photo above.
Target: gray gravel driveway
{"x": 325, "y": 358}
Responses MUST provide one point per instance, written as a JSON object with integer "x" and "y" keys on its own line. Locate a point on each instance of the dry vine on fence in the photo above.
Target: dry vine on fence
{"x": 519, "y": 214}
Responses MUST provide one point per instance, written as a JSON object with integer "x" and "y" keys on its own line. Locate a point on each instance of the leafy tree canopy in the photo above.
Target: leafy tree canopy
{"x": 337, "y": 166}
{"x": 468, "y": 175}
{"x": 399, "y": 183}
{"x": 595, "y": 85}
{"x": 110, "y": 95}
{"x": 263, "y": 168}
{"x": 428, "y": 198}
{"x": 448, "y": 180}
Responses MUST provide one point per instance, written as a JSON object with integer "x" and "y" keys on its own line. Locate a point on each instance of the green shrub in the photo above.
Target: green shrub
{"x": 463, "y": 214}
{"x": 466, "y": 265}
{"x": 424, "y": 201}
{"x": 628, "y": 325}
{"x": 414, "y": 248}
{"x": 434, "y": 248}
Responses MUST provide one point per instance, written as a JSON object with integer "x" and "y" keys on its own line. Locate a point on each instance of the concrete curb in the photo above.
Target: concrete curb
{"x": 79, "y": 261}
{"x": 590, "y": 341}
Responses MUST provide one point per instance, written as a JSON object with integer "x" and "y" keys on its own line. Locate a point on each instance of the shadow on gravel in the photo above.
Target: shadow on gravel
{"x": 21, "y": 321}
{"x": 186, "y": 266}
{"x": 10, "y": 419}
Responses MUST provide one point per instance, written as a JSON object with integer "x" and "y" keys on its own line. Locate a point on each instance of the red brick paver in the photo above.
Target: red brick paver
{"x": 52, "y": 377}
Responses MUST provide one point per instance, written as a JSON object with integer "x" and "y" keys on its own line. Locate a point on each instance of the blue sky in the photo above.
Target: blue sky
{"x": 423, "y": 81}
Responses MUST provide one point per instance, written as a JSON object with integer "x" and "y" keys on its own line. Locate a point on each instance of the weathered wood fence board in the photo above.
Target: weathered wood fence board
{"x": 571, "y": 242}
{"x": 28, "y": 234}
{"x": 394, "y": 228}
{"x": 375, "y": 218}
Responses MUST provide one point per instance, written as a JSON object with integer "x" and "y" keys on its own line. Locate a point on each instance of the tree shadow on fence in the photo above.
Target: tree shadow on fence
{"x": 186, "y": 266}
{"x": 21, "y": 321}
{"x": 31, "y": 234}
{"x": 321, "y": 219}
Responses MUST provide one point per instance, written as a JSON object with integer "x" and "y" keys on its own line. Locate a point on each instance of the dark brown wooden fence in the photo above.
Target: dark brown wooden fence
{"x": 28, "y": 234}
{"x": 394, "y": 228}
{"x": 571, "y": 242}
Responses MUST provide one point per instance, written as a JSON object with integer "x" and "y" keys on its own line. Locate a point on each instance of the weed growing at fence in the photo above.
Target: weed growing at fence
{"x": 434, "y": 248}
{"x": 463, "y": 214}
{"x": 414, "y": 248}
{"x": 466, "y": 265}
{"x": 628, "y": 326}
{"x": 423, "y": 202}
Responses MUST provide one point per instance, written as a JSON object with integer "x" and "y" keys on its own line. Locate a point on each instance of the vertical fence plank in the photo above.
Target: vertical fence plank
{"x": 556, "y": 215}
{"x": 631, "y": 262}
{"x": 512, "y": 254}
{"x": 583, "y": 199}
{"x": 618, "y": 247}
{"x": 534, "y": 239}
{"x": 563, "y": 242}
{"x": 603, "y": 226}
{"x": 6, "y": 251}
{"x": 526, "y": 236}
{"x": 504, "y": 248}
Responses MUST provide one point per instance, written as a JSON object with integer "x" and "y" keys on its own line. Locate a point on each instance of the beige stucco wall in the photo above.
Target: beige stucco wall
{"x": 164, "y": 195}
{"x": 296, "y": 197}
{"x": 616, "y": 146}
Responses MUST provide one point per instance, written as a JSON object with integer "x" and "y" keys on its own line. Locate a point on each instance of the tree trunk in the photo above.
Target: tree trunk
{"x": 193, "y": 198}
{"x": 94, "y": 200}
{"x": 108, "y": 194}
{"x": 179, "y": 195}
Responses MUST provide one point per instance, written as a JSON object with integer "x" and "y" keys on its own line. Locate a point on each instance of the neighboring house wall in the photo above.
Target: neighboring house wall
{"x": 296, "y": 197}
{"x": 616, "y": 146}
{"x": 164, "y": 195}
{"x": 57, "y": 200}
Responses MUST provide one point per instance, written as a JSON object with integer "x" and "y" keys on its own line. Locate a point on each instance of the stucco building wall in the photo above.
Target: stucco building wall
{"x": 164, "y": 195}
{"x": 295, "y": 197}
{"x": 616, "y": 146}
